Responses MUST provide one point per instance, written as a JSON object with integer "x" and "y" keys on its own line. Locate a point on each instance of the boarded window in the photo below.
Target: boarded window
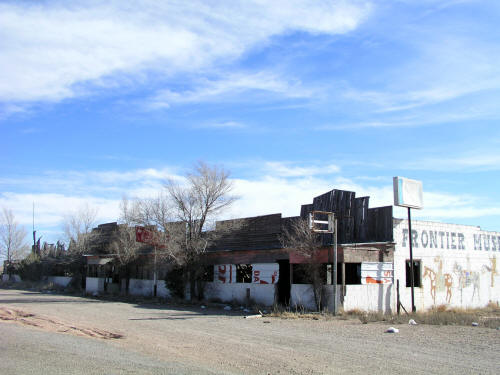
{"x": 417, "y": 275}
{"x": 243, "y": 273}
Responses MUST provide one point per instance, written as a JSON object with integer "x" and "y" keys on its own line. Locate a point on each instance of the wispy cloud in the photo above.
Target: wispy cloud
{"x": 57, "y": 50}
{"x": 287, "y": 169}
{"x": 481, "y": 161}
{"x": 231, "y": 88}
{"x": 223, "y": 125}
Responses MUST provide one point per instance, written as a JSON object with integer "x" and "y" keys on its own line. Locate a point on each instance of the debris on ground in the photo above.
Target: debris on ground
{"x": 475, "y": 324}
{"x": 252, "y": 316}
{"x": 392, "y": 330}
{"x": 412, "y": 322}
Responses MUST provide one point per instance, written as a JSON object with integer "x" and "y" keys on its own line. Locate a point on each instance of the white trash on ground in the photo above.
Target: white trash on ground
{"x": 392, "y": 330}
{"x": 253, "y": 316}
{"x": 475, "y": 324}
{"x": 412, "y": 322}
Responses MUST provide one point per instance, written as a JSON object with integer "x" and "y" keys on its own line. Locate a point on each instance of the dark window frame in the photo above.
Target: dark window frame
{"x": 417, "y": 273}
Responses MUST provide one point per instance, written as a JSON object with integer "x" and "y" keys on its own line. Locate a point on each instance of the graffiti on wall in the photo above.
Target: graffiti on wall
{"x": 377, "y": 273}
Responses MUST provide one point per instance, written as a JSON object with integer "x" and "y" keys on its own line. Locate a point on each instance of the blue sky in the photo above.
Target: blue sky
{"x": 295, "y": 98}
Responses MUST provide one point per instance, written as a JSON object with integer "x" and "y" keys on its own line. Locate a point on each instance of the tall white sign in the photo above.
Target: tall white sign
{"x": 408, "y": 193}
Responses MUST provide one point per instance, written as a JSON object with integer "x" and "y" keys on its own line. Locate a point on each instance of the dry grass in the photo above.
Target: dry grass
{"x": 488, "y": 316}
{"x": 298, "y": 312}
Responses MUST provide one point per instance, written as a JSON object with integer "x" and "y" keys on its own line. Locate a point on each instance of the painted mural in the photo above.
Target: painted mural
{"x": 458, "y": 263}
{"x": 439, "y": 281}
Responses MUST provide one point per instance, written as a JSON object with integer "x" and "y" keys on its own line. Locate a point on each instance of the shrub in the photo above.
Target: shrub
{"x": 175, "y": 282}
{"x": 30, "y": 268}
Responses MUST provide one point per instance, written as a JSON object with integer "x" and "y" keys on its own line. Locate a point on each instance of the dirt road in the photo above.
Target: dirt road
{"x": 226, "y": 343}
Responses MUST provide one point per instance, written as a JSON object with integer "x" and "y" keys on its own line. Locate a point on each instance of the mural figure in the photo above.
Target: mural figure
{"x": 445, "y": 281}
{"x": 467, "y": 278}
{"x": 432, "y": 278}
{"x": 448, "y": 283}
{"x": 493, "y": 269}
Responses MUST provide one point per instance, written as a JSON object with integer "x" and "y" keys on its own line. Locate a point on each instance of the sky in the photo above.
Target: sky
{"x": 101, "y": 100}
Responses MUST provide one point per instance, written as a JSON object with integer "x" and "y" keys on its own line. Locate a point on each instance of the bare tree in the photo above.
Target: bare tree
{"x": 298, "y": 237}
{"x": 13, "y": 245}
{"x": 78, "y": 228}
{"x": 196, "y": 205}
{"x": 183, "y": 217}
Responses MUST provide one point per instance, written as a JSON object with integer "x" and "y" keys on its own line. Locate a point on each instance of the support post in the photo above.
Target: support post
{"x": 343, "y": 279}
{"x": 398, "y": 301}
{"x": 155, "y": 276}
{"x": 412, "y": 271}
{"x": 335, "y": 305}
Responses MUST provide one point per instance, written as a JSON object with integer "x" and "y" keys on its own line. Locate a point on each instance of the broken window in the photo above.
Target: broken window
{"x": 243, "y": 273}
{"x": 303, "y": 273}
{"x": 352, "y": 273}
{"x": 417, "y": 278}
{"x": 208, "y": 273}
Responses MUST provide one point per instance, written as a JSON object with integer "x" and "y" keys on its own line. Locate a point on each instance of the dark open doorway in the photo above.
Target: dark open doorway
{"x": 284, "y": 283}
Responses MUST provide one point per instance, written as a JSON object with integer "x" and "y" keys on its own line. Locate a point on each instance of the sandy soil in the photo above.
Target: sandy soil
{"x": 225, "y": 342}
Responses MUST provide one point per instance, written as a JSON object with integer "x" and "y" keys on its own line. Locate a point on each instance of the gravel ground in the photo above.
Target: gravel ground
{"x": 214, "y": 340}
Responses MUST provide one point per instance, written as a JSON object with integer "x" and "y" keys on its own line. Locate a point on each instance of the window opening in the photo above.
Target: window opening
{"x": 352, "y": 273}
{"x": 417, "y": 276}
{"x": 243, "y": 273}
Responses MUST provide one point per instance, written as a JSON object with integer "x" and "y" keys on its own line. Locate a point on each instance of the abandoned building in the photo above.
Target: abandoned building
{"x": 454, "y": 264}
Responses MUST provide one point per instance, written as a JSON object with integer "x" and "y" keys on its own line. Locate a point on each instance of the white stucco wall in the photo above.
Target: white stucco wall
{"x": 301, "y": 295}
{"x": 12, "y": 278}
{"x": 263, "y": 294}
{"x": 145, "y": 287}
{"x": 373, "y": 297}
{"x": 60, "y": 280}
{"x": 458, "y": 264}
{"x": 94, "y": 285}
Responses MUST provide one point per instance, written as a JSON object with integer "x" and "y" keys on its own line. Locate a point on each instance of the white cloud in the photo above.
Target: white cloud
{"x": 282, "y": 169}
{"x": 480, "y": 161}
{"x": 56, "y": 50}
{"x": 278, "y": 188}
{"x": 224, "y": 125}
{"x": 230, "y": 88}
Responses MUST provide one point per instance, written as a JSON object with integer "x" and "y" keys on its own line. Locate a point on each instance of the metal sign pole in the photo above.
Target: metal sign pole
{"x": 412, "y": 271}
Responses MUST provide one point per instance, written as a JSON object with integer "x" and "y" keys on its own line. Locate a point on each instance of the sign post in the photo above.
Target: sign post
{"x": 409, "y": 193}
{"x": 149, "y": 236}
{"x": 327, "y": 226}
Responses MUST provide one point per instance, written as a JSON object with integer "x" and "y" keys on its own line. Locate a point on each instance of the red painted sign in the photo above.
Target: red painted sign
{"x": 145, "y": 235}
